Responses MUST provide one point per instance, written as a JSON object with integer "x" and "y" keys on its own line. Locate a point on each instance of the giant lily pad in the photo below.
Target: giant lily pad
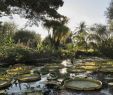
{"x": 106, "y": 69}
{"x": 110, "y": 84}
{"x": 4, "y": 83}
{"x": 29, "y": 77}
{"x": 82, "y": 84}
{"x": 90, "y": 68}
{"x": 75, "y": 70}
{"x": 52, "y": 82}
{"x": 54, "y": 66}
{"x": 18, "y": 69}
{"x": 87, "y": 67}
{"x": 90, "y": 64}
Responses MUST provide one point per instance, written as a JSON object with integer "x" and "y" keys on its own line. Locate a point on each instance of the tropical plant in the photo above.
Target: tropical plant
{"x": 60, "y": 35}
{"x": 17, "y": 54}
{"x": 106, "y": 47}
{"x": 47, "y": 41}
{"x": 58, "y": 32}
{"x": 80, "y": 35}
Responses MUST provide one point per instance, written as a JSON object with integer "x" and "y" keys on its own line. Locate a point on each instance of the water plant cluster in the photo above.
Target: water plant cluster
{"x": 18, "y": 72}
{"x": 58, "y": 76}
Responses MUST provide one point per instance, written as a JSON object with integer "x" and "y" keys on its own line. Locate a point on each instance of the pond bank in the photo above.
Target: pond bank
{"x": 43, "y": 61}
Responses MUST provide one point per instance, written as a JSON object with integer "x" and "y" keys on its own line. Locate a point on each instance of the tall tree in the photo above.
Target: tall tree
{"x": 61, "y": 34}
{"x": 109, "y": 12}
{"x": 58, "y": 31}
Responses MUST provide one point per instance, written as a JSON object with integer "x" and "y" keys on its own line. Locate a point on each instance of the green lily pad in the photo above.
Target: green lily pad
{"x": 110, "y": 83}
{"x": 29, "y": 77}
{"x": 82, "y": 84}
{"x": 52, "y": 82}
{"x": 4, "y": 84}
{"x": 106, "y": 69}
{"x": 74, "y": 70}
{"x": 54, "y": 66}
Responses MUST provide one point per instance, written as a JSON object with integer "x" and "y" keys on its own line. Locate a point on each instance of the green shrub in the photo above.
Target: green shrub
{"x": 17, "y": 54}
{"x": 106, "y": 47}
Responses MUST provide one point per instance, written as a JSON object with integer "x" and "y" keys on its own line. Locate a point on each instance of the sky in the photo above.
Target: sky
{"x": 89, "y": 11}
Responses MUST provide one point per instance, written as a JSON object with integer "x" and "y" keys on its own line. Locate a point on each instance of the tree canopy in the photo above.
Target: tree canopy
{"x": 34, "y": 10}
{"x": 110, "y": 11}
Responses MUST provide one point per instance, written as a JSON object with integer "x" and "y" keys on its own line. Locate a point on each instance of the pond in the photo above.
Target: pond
{"x": 53, "y": 73}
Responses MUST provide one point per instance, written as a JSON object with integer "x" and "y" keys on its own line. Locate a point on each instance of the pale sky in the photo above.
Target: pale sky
{"x": 90, "y": 11}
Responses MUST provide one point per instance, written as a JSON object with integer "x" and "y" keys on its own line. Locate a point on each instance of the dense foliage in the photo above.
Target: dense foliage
{"x": 28, "y": 38}
{"x": 17, "y": 45}
{"x": 109, "y": 12}
{"x": 34, "y": 10}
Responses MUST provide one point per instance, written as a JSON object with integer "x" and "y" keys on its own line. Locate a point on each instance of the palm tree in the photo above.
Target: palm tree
{"x": 60, "y": 34}
{"x": 80, "y": 35}
{"x": 50, "y": 25}
{"x": 57, "y": 31}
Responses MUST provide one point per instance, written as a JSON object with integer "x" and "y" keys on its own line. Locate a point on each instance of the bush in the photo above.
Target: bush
{"x": 17, "y": 54}
{"x": 106, "y": 47}
{"x": 27, "y": 38}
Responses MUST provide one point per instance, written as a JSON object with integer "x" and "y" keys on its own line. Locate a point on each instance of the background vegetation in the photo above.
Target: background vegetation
{"x": 18, "y": 45}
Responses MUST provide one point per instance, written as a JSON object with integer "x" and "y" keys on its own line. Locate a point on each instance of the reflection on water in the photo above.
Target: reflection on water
{"x": 67, "y": 63}
{"x": 35, "y": 87}
{"x": 22, "y": 88}
{"x": 63, "y": 70}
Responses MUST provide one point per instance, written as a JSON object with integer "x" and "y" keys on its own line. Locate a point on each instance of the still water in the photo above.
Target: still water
{"x": 40, "y": 88}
